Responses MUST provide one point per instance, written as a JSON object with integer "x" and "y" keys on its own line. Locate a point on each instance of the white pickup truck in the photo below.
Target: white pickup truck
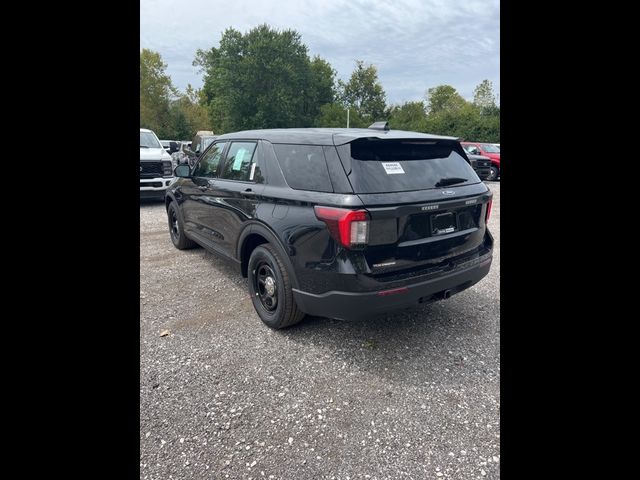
{"x": 156, "y": 167}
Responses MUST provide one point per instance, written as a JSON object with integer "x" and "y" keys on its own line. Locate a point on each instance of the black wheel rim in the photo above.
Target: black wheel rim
{"x": 173, "y": 224}
{"x": 264, "y": 280}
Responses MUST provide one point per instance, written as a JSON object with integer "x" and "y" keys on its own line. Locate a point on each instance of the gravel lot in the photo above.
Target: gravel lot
{"x": 414, "y": 395}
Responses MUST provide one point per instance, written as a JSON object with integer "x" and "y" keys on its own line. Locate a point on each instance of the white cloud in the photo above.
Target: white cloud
{"x": 415, "y": 44}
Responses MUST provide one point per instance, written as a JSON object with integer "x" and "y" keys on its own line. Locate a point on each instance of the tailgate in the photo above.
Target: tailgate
{"x": 424, "y": 235}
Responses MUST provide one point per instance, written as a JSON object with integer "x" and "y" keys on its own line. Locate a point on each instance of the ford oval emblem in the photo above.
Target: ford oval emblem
{"x": 448, "y": 192}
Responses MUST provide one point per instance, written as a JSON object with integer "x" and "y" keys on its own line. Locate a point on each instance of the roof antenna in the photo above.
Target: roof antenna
{"x": 379, "y": 126}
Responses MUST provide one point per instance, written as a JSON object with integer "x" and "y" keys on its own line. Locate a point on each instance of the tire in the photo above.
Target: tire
{"x": 176, "y": 229}
{"x": 493, "y": 175}
{"x": 270, "y": 288}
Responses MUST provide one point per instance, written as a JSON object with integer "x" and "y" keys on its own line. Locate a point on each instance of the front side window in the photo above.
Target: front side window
{"x": 239, "y": 163}
{"x": 208, "y": 164}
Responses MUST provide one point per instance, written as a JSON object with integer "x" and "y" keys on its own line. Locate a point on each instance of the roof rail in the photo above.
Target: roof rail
{"x": 379, "y": 126}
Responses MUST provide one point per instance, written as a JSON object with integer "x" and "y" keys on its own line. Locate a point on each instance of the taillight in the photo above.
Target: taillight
{"x": 489, "y": 203}
{"x": 349, "y": 227}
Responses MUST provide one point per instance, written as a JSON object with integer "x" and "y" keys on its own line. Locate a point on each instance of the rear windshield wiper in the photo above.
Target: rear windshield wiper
{"x": 143, "y": 146}
{"x": 450, "y": 181}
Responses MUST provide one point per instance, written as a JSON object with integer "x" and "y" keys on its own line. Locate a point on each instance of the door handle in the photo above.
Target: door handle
{"x": 202, "y": 187}
{"x": 249, "y": 193}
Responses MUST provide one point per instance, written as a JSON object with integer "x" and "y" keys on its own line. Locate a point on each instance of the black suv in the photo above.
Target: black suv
{"x": 341, "y": 223}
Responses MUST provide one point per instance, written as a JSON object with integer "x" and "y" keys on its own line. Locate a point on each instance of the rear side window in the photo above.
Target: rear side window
{"x": 304, "y": 167}
{"x": 380, "y": 166}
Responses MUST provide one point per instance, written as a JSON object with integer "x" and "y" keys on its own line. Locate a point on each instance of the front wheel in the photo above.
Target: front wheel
{"x": 270, "y": 288}
{"x": 493, "y": 174}
{"x": 176, "y": 229}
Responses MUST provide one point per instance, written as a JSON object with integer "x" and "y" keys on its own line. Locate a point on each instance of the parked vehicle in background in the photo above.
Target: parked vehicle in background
{"x": 487, "y": 150}
{"x": 199, "y": 144}
{"x": 340, "y": 223}
{"x": 180, "y": 157}
{"x": 170, "y": 146}
{"x": 481, "y": 165}
{"x": 156, "y": 169}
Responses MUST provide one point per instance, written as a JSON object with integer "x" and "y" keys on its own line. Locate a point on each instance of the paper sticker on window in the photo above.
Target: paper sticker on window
{"x": 392, "y": 167}
{"x": 237, "y": 163}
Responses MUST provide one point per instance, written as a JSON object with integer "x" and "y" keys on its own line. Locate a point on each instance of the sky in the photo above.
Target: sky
{"x": 415, "y": 44}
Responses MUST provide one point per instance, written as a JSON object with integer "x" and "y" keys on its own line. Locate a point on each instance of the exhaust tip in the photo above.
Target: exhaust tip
{"x": 446, "y": 294}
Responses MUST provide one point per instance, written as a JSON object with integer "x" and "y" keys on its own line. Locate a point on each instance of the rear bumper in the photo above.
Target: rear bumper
{"x": 363, "y": 305}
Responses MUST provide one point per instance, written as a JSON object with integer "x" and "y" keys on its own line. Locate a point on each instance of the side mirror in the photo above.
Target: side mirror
{"x": 173, "y": 147}
{"x": 182, "y": 171}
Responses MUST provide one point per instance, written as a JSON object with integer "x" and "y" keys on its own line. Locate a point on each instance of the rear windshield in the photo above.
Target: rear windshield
{"x": 304, "y": 167}
{"x": 380, "y": 166}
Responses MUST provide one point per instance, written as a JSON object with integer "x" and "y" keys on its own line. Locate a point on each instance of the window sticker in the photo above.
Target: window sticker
{"x": 392, "y": 168}
{"x": 253, "y": 171}
{"x": 237, "y": 163}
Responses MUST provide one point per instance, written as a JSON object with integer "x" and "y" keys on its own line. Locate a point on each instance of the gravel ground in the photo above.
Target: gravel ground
{"x": 414, "y": 395}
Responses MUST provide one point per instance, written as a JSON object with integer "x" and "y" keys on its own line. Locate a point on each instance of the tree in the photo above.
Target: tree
{"x": 465, "y": 122}
{"x": 156, "y": 91}
{"x": 443, "y": 97}
{"x": 322, "y": 88}
{"x": 408, "y": 116}
{"x": 483, "y": 96}
{"x": 364, "y": 93}
{"x": 263, "y": 79}
{"x": 334, "y": 115}
{"x": 180, "y": 128}
{"x": 193, "y": 106}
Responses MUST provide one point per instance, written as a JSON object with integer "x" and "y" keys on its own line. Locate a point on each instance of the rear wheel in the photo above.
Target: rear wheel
{"x": 493, "y": 174}
{"x": 176, "y": 229}
{"x": 270, "y": 288}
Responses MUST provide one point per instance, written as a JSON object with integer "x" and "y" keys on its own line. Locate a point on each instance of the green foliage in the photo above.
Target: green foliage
{"x": 334, "y": 115}
{"x": 410, "y": 116}
{"x": 170, "y": 114}
{"x": 263, "y": 79}
{"x": 155, "y": 93}
{"x": 443, "y": 98}
{"x": 363, "y": 92}
{"x": 465, "y": 122}
{"x": 483, "y": 96}
{"x": 180, "y": 127}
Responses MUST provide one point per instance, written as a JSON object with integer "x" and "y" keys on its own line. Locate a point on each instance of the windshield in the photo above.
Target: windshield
{"x": 490, "y": 148}
{"x": 380, "y": 166}
{"x": 206, "y": 142}
{"x": 149, "y": 140}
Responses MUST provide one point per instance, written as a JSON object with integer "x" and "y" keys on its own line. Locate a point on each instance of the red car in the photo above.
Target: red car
{"x": 488, "y": 150}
